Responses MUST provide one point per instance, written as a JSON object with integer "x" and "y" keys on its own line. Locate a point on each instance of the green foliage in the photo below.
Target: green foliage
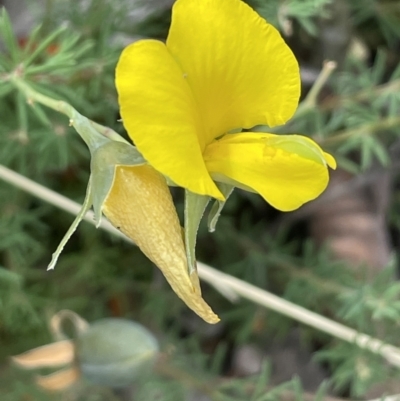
{"x": 304, "y": 12}
{"x": 379, "y": 17}
{"x": 354, "y": 367}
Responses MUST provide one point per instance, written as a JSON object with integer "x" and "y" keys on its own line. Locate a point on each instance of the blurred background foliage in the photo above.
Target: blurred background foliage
{"x": 335, "y": 256}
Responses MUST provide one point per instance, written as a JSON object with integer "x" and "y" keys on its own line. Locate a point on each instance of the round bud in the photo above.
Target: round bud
{"x": 115, "y": 352}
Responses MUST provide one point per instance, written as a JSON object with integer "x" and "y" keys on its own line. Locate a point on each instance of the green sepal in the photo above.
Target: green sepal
{"x": 194, "y": 209}
{"x": 106, "y": 155}
{"x": 93, "y": 138}
{"x": 87, "y": 203}
{"x": 216, "y": 209}
{"x": 103, "y": 163}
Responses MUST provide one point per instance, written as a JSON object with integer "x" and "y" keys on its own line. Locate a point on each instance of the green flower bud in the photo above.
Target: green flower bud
{"x": 115, "y": 352}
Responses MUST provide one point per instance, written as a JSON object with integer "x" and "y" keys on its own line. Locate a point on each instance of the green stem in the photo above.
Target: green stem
{"x": 90, "y": 131}
{"x": 33, "y": 96}
{"x": 311, "y": 100}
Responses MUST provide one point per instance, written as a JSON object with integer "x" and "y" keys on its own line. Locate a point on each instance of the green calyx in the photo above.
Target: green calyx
{"x": 106, "y": 155}
{"x": 103, "y": 163}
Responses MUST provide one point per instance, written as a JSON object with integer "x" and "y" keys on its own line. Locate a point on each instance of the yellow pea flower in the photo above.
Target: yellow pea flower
{"x": 222, "y": 68}
{"x": 136, "y": 200}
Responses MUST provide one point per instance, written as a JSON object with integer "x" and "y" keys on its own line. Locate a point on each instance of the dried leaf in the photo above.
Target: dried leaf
{"x": 58, "y": 381}
{"x": 140, "y": 205}
{"x": 51, "y": 355}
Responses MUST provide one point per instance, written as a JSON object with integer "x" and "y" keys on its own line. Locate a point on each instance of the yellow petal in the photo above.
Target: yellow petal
{"x": 330, "y": 160}
{"x": 47, "y": 356}
{"x": 58, "y": 381}
{"x": 240, "y": 70}
{"x": 140, "y": 205}
{"x": 286, "y": 170}
{"x": 160, "y": 114}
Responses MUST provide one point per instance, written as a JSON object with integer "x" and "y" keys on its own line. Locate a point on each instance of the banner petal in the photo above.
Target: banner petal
{"x": 241, "y": 71}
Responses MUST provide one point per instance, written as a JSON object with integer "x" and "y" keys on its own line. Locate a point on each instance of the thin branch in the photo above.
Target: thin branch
{"x": 395, "y": 397}
{"x": 53, "y": 198}
{"x": 271, "y": 301}
{"x": 311, "y": 99}
{"x": 212, "y": 276}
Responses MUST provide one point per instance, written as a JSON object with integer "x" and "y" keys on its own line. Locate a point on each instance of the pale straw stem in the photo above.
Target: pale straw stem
{"x": 395, "y": 397}
{"x": 219, "y": 280}
{"x": 311, "y": 99}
